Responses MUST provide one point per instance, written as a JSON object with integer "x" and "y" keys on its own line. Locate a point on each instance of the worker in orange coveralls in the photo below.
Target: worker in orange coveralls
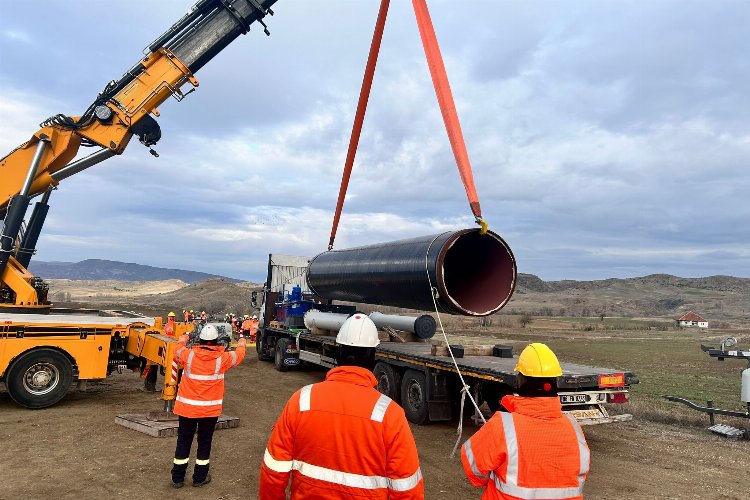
{"x": 341, "y": 438}
{"x": 533, "y": 450}
{"x": 169, "y": 328}
{"x": 199, "y": 400}
{"x": 249, "y": 328}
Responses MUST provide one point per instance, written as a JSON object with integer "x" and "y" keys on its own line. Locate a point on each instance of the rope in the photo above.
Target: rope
{"x": 465, "y": 389}
{"x": 359, "y": 117}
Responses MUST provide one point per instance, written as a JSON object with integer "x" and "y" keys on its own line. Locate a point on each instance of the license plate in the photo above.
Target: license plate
{"x": 291, "y": 361}
{"x": 573, "y": 398}
{"x": 584, "y": 414}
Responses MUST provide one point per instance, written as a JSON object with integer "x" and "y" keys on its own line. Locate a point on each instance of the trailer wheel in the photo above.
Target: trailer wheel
{"x": 414, "y": 396}
{"x": 389, "y": 380}
{"x": 39, "y": 378}
{"x": 281, "y": 346}
{"x": 262, "y": 350}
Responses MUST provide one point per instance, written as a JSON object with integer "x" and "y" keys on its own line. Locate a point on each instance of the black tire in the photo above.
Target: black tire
{"x": 260, "y": 348}
{"x": 414, "y": 396}
{"x": 281, "y": 346}
{"x": 491, "y": 395}
{"x": 389, "y": 380}
{"x": 39, "y": 378}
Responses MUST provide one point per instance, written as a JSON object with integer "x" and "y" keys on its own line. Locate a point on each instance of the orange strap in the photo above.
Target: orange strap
{"x": 445, "y": 100}
{"x": 359, "y": 117}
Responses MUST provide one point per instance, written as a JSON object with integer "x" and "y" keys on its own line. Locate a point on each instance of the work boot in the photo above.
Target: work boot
{"x": 177, "y": 485}
{"x": 201, "y": 483}
{"x": 149, "y": 386}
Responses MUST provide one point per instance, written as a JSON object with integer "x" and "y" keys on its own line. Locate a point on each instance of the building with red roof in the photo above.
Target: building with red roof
{"x": 691, "y": 319}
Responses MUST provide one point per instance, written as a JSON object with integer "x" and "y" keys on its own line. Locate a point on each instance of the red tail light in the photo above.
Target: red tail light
{"x": 618, "y": 397}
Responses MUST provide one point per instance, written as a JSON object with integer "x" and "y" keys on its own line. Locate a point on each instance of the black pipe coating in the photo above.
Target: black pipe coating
{"x": 474, "y": 274}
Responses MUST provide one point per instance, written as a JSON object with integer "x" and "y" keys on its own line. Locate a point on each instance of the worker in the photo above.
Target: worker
{"x": 203, "y": 317}
{"x": 199, "y": 400}
{"x": 191, "y": 316}
{"x": 247, "y": 328}
{"x": 342, "y": 436}
{"x": 254, "y": 328}
{"x": 169, "y": 328}
{"x": 186, "y": 315}
{"x": 532, "y": 450}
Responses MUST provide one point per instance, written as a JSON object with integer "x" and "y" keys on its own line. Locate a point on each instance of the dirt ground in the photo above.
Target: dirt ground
{"x": 75, "y": 450}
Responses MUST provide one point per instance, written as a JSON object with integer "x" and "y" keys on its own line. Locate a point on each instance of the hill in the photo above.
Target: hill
{"x": 97, "y": 269}
{"x": 715, "y": 298}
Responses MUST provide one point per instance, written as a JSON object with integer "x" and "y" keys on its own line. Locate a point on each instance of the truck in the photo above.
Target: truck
{"x": 426, "y": 383}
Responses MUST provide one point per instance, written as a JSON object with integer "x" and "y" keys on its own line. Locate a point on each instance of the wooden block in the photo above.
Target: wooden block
{"x": 141, "y": 423}
{"x": 319, "y": 331}
{"x": 469, "y": 350}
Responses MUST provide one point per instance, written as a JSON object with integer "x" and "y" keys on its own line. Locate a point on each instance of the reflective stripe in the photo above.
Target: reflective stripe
{"x": 189, "y": 362}
{"x": 406, "y": 483}
{"x": 204, "y": 377}
{"x": 511, "y": 445}
{"x": 349, "y": 479}
{"x": 378, "y": 412}
{"x": 281, "y": 466}
{"x": 304, "y": 398}
{"x": 234, "y": 358}
{"x": 188, "y": 370}
{"x": 510, "y": 486}
{"x": 583, "y": 450}
{"x": 196, "y": 402}
{"x": 339, "y": 477}
{"x": 181, "y": 461}
{"x": 472, "y": 462}
{"x": 198, "y": 461}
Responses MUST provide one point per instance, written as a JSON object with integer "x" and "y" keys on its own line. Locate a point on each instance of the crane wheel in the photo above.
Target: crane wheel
{"x": 39, "y": 378}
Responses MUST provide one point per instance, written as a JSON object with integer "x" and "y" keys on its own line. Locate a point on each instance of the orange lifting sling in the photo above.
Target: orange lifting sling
{"x": 444, "y": 97}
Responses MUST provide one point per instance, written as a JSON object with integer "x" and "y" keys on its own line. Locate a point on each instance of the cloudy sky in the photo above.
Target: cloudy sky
{"x": 607, "y": 138}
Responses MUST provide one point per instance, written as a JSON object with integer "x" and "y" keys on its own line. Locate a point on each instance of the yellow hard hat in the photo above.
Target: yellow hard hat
{"x": 247, "y": 316}
{"x": 538, "y": 360}
{"x": 171, "y": 315}
{"x": 191, "y": 310}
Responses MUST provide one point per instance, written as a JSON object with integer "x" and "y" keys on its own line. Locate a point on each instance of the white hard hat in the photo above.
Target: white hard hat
{"x": 358, "y": 331}
{"x": 209, "y": 332}
{"x": 255, "y": 316}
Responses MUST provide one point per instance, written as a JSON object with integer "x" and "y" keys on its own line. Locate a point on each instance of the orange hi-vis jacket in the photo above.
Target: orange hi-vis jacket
{"x": 247, "y": 324}
{"x": 169, "y": 328}
{"x": 342, "y": 439}
{"x": 201, "y": 390}
{"x": 533, "y": 452}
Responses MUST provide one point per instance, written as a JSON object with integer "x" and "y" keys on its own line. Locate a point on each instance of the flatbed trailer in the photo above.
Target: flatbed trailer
{"x": 428, "y": 386}
{"x": 41, "y": 355}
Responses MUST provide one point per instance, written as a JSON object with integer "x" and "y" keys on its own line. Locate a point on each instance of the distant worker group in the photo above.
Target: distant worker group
{"x": 341, "y": 438}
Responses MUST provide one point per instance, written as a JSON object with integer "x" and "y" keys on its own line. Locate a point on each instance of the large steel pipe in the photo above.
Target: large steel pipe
{"x": 324, "y": 320}
{"x": 423, "y": 326}
{"x": 473, "y": 274}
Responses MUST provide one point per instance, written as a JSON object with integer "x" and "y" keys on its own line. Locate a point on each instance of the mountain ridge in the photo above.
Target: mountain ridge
{"x": 101, "y": 269}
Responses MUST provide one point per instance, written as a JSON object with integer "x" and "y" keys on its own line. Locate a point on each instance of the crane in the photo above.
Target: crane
{"x": 123, "y": 109}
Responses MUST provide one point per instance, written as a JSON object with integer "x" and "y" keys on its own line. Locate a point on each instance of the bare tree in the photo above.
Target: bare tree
{"x": 525, "y": 319}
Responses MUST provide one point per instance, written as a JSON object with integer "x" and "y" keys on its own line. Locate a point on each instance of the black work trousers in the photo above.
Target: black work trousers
{"x": 187, "y": 429}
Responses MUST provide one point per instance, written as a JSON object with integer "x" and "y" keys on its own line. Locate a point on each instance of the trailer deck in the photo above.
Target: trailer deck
{"x": 492, "y": 368}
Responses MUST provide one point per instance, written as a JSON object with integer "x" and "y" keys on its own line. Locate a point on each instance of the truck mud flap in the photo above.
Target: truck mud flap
{"x": 438, "y": 397}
